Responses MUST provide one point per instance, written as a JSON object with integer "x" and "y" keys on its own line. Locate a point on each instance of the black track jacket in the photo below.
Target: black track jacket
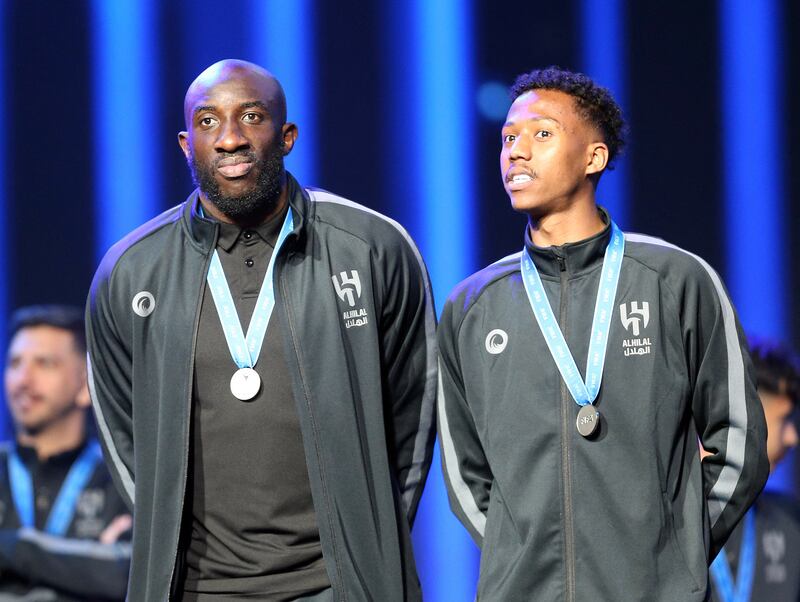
{"x": 630, "y": 514}
{"x": 355, "y": 306}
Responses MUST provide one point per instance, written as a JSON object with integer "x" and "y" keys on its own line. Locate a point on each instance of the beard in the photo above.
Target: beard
{"x": 252, "y": 205}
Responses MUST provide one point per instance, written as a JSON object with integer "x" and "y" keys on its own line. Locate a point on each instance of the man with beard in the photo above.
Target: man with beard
{"x": 268, "y": 454}
{"x": 62, "y": 524}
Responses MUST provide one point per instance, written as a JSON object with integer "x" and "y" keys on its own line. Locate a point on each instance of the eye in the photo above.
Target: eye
{"x": 508, "y": 138}
{"x": 207, "y": 122}
{"x": 543, "y": 134}
{"x": 251, "y": 118}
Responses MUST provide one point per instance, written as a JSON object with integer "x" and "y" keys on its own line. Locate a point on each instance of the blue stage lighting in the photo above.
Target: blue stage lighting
{"x": 282, "y": 40}
{"x": 753, "y": 153}
{"x": 126, "y": 118}
{"x": 493, "y": 101}
{"x": 603, "y": 35}
{"x": 433, "y": 97}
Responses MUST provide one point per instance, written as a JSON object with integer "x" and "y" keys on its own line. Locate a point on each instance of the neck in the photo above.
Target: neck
{"x": 65, "y": 435}
{"x": 576, "y": 223}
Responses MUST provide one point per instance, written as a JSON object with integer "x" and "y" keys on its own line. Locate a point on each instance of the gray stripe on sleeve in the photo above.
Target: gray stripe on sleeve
{"x": 723, "y": 489}
{"x": 118, "y": 465}
{"x": 457, "y": 483}
{"x": 414, "y": 477}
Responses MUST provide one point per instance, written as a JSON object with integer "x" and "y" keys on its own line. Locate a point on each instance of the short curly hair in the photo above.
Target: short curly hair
{"x": 594, "y": 103}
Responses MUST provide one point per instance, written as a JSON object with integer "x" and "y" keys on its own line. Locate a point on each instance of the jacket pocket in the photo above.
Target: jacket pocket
{"x": 675, "y": 544}
{"x": 501, "y": 543}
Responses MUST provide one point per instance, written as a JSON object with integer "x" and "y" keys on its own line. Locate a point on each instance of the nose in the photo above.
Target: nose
{"x": 520, "y": 149}
{"x": 790, "y": 437}
{"x": 231, "y": 137}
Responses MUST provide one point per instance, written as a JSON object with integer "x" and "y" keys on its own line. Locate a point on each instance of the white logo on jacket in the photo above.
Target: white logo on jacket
{"x": 636, "y": 316}
{"x": 347, "y": 285}
{"x": 496, "y": 341}
{"x": 144, "y": 303}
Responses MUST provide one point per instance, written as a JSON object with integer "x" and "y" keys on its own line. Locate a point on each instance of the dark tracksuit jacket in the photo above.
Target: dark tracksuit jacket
{"x": 36, "y": 565}
{"x": 355, "y": 307}
{"x": 630, "y": 514}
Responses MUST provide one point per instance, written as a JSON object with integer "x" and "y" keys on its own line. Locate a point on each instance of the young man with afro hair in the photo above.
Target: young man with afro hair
{"x": 577, "y": 376}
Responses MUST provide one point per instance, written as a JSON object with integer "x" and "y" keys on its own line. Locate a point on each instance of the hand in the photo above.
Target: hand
{"x": 117, "y": 527}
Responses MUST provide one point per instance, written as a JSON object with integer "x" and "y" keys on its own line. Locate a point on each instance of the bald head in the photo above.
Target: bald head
{"x": 231, "y": 70}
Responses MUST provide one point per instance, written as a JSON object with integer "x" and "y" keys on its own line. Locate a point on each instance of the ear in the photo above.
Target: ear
{"x": 82, "y": 399}
{"x": 597, "y": 158}
{"x": 289, "y": 133}
{"x": 183, "y": 142}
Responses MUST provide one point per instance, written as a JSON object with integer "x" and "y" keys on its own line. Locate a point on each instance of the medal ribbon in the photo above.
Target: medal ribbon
{"x": 582, "y": 392}
{"x": 721, "y": 570}
{"x": 64, "y": 507}
{"x": 245, "y": 350}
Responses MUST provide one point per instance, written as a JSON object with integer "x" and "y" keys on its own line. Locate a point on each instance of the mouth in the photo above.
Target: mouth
{"x": 235, "y": 167}
{"x": 24, "y": 402}
{"x": 519, "y": 179}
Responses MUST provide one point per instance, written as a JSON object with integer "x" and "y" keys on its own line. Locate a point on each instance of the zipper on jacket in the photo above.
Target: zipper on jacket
{"x": 187, "y": 430}
{"x": 566, "y": 472}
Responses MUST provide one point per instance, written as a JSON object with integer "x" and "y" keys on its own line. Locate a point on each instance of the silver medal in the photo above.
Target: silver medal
{"x": 588, "y": 420}
{"x": 245, "y": 384}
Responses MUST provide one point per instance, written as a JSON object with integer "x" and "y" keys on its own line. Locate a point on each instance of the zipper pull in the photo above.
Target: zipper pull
{"x": 562, "y": 263}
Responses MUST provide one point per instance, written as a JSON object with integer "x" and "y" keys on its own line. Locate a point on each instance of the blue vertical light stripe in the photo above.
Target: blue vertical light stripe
{"x": 126, "y": 118}
{"x": 441, "y": 137}
{"x": 753, "y": 151}
{"x": 5, "y": 273}
{"x": 603, "y": 56}
{"x": 434, "y": 108}
{"x": 753, "y": 154}
{"x": 283, "y": 40}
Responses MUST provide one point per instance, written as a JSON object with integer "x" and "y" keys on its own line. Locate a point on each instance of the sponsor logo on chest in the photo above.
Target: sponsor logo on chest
{"x": 635, "y": 318}
{"x": 348, "y": 289}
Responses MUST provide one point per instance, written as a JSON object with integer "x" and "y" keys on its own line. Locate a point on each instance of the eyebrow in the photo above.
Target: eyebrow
{"x": 252, "y": 104}
{"x": 556, "y": 121}
{"x": 255, "y": 104}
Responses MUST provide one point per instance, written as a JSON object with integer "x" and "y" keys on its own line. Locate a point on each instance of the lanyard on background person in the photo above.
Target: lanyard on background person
{"x": 584, "y": 393}
{"x": 721, "y": 570}
{"x": 64, "y": 507}
{"x": 245, "y": 350}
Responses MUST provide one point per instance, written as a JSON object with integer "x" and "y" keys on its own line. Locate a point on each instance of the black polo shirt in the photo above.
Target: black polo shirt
{"x": 253, "y": 530}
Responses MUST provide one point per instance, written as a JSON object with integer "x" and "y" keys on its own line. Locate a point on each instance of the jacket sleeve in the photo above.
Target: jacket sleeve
{"x": 109, "y": 375}
{"x": 408, "y": 331}
{"x": 725, "y": 404}
{"x": 83, "y": 568}
{"x": 466, "y": 470}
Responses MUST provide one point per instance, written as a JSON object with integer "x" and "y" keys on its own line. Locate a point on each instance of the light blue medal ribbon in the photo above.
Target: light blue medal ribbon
{"x": 246, "y": 349}
{"x": 584, "y": 393}
{"x": 64, "y": 507}
{"x": 721, "y": 570}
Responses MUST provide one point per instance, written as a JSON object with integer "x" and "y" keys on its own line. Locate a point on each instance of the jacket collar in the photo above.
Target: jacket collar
{"x": 204, "y": 232}
{"x": 573, "y": 257}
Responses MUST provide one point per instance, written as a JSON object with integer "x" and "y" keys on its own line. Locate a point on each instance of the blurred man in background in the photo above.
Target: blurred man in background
{"x": 62, "y": 523}
{"x": 761, "y": 560}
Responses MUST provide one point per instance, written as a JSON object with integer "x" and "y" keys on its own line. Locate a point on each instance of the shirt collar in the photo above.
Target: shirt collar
{"x": 229, "y": 234}
{"x": 573, "y": 257}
